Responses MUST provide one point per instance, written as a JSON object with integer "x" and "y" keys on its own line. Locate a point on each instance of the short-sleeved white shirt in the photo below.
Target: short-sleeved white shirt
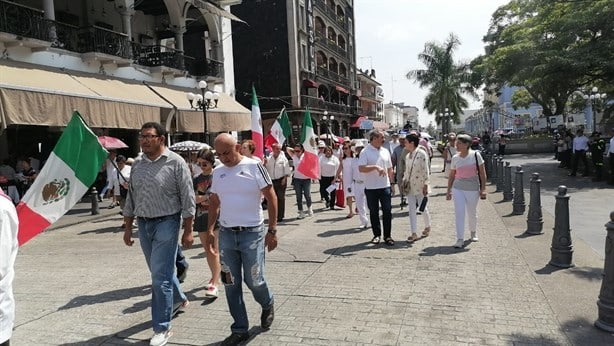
{"x": 380, "y": 157}
{"x": 297, "y": 162}
{"x": 238, "y": 189}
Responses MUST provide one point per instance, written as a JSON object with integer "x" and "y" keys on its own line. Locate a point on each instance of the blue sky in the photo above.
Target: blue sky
{"x": 391, "y": 33}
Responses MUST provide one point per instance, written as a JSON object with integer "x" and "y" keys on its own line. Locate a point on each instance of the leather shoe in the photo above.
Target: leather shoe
{"x": 267, "y": 317}
{"x": 235, "y": 339}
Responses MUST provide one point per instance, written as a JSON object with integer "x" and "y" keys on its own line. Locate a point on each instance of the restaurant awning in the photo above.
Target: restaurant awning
{"x": 308, "y": 83}
{"x": 341, "y": 89}
{"x": 36, "y": 95}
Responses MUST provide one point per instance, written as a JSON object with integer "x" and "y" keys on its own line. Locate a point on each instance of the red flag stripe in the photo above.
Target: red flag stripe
{"x": 30, "y": 223}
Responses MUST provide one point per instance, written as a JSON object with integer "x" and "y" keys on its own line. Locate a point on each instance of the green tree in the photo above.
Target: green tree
{"x": 445, "y": 79}
{"x": 550, "y": 47}
{"x": 521, "y": 99}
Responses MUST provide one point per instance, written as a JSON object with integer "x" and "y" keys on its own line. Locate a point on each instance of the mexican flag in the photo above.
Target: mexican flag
{"x": 66, "y": 176}
{"x": 310, "y": 163}
{"x": 280, "y": 130}
{"x": 257, "y": 126}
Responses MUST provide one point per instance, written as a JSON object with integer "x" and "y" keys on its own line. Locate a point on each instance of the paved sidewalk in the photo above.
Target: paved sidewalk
{"x": 79, "y": 285}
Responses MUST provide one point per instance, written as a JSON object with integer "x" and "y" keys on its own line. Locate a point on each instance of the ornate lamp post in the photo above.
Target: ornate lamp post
{"x": 328, "y": 120}
{"x": 594, "y": 98}
{"x": 446, "y": 115}
{"x": 205, "y": 100}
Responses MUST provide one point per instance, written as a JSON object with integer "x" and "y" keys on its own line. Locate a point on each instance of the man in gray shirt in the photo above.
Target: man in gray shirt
{"x": 160, "y": 195}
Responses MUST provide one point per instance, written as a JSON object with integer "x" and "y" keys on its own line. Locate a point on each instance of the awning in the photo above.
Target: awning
{"x": 341, "y": 89}
{"x": 215, "y": 9}
{"x": 380, "y": 125}
{"x": 308, "y": 83}
{"x": 34, "y": 95}
{"x": 356, "y": 124}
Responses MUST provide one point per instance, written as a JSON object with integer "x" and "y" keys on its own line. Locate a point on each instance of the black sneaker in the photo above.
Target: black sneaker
{"x": 235, "y": 339}
{"x": 267, "y": 317}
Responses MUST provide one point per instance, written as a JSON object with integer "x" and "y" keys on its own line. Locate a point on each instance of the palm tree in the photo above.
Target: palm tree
{"x": 444, "y": 78}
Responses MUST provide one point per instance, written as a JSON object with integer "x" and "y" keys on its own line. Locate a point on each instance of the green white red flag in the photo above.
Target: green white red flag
{"x": 280, "y": 130}
{"x": 257, "y": 136}
{"x": 310, "y": 162}
{"x": 66, "y": 176}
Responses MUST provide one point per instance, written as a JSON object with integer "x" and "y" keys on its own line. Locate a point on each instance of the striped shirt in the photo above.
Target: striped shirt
{"x": 466, "y": 177}
{"x": 160, "y": 188}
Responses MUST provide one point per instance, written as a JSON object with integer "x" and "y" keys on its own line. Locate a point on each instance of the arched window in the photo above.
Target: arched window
{"x": 321, "y": 60}
{"x": 343, "y": 70}
{"x": 340, "y": 14}
{"x": 341, "y": 42}
{"x": 332, "y": 65}
{"x": 320, "y": 27}
{"x": 331, "y": 4}
{"x": 332, "y": 35}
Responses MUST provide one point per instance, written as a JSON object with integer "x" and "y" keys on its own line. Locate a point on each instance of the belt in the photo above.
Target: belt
{"x": 241, "y": 228}
{"x": 157, "y": 218}
{"x": 277, "y": 179}
{"x": 359, "y": 181}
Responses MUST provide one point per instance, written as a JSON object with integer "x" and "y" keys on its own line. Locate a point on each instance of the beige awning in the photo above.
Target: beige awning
{"x": 34, "y": 95}
{"x": 215, "y": 9}
{"x": 229, "y": 115}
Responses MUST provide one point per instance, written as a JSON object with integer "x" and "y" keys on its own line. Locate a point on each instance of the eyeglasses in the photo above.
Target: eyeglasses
{"x": 147, "y": 137}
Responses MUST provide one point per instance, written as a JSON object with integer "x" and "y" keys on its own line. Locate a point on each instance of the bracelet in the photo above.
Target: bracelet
{"x": 272, "y": 231}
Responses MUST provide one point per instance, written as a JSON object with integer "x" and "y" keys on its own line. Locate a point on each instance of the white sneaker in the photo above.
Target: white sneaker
{"x": 211, "y": 291}
{"x": 160, "y": 339}
{"x": 310, "y": 211}
{"x": 474, "y": 236}
{"x": 300, "y": 215}
{"x": 459, "y": 244}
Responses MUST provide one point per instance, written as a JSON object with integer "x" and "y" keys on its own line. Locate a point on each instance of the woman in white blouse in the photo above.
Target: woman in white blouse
{"x": 416, "y": 184}
{"x": 329, "y": 164}
{"x": 344, "y": 174}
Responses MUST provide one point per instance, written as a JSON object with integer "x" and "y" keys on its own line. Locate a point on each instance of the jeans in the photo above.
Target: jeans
{"x": 159, "y": 238}
{"x": 302, "y": 187}
{"x": 180, "y": 262}
{"x": 242, "y": 252}
{"x": 375, "y": 198}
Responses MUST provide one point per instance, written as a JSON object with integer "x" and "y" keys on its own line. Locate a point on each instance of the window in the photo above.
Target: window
{"x": 301, "y": 17}
{"x": 304, "y": 56}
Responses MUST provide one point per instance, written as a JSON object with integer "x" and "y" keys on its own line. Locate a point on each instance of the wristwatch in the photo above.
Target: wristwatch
{"x": 272, "y": 231}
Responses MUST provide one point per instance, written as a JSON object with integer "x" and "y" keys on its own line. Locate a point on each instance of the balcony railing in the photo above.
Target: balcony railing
{"x": 323, "y": 72}
{"x": 67, "y": 36}
{"x": 23, "y": 21}
{"x": 318, "y": 103}
{"x": 331, "y": 45}
{"x": 332, "y": 14}
{"x": 101, "y": 40}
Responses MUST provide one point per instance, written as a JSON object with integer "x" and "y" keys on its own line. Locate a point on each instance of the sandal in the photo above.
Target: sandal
{"x": 412, "y": 238}
{"x": 389, "y": 241}
{"x": 375, "y": 240}
{"x": 426, "y": 232}
{"x": 349, "y": 216}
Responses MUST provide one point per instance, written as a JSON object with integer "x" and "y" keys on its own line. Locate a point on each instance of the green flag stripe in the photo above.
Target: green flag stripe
{"x": 306, "y": 124}
{"x": 285, "y": 124}
{"x": 79, "y": 148}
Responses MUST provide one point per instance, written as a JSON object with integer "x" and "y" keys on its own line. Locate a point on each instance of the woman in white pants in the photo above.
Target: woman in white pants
{"x": 416, "y": 184}
{"x": 358, "y": 188}
{"x": 466, "y": 184}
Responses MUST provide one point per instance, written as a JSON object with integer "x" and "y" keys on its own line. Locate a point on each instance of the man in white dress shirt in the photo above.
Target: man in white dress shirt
{"x": 580, "y": 147}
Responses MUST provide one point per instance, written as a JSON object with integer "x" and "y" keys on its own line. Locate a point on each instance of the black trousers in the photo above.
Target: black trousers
{"x": 330, "y": 198}
{"x": 580, "y": 155}
{"x": 611, "y": 164}
{"x": 280, "y": 192}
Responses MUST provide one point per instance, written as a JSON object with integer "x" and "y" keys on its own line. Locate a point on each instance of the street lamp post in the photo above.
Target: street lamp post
{"x": 594, "y": 98}
{"x": 446, "y": 115}
{"x": 205, "y": 100}
{"x": 328, "y": 120}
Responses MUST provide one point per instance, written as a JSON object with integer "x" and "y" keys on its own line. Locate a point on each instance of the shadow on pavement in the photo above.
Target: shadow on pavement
{"x": 583, "y": 332}
{"x": 526, "y": 235}
{"x": 114, "y": 229}
{"x": 588, "y": 273}
{"x": 442, "y": 250}
{"x": 548, "y": 269}
{"x": 332, "y": 233}
{"x": 350, "y": 250}
{"x": 104, "y": 297}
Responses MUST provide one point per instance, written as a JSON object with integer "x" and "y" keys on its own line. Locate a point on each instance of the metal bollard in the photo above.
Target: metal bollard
{"x": 561, "y": 249}
{"x": 487, "y": 164}
{"x": 493, "y": 169}
{"x": 518, "y": 204}
{"x": 500, "y": 174}
{"x": 535, "y": 221}
{"x": 94, "y": 199}
{"x": 508, "y": 195}
{"x": 605, "y": 304}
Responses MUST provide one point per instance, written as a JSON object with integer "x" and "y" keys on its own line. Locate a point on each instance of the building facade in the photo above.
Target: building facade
{"x": 298, "y": 54}
{"x": 119, "y": 63}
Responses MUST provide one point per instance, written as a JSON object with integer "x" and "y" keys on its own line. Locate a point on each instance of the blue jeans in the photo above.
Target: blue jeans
{"x": 242, "y": 252}
{"x": 375, "y": 197}
{"x": 159, "y": 238}
{"x": 302, "y": 187}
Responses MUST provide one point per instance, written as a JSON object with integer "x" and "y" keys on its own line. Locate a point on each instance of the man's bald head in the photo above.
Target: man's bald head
{"x": 227, "y": 149}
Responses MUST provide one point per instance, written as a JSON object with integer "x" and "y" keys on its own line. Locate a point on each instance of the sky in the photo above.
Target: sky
{"x": 391, "y": 33}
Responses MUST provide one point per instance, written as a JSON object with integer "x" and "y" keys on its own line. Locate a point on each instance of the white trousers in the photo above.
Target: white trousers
{"x": 465, "y": 203}
{"x": 412, "y": 200}
{"x": 361, "y": 202}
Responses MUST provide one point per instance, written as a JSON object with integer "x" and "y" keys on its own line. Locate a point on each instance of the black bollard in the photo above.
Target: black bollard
{"x": 561, "y": 249}
{"x": 493, "y": 170}
{"x": 535, "y": 221}
{"x": 487, "y": 163}
{"x": 94, "y": 199}
{"x": 500, "y": 174}
{"x": 605, "y": 304}
{"x": 518, "y": 204}
{"x": 508, "y": 195}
